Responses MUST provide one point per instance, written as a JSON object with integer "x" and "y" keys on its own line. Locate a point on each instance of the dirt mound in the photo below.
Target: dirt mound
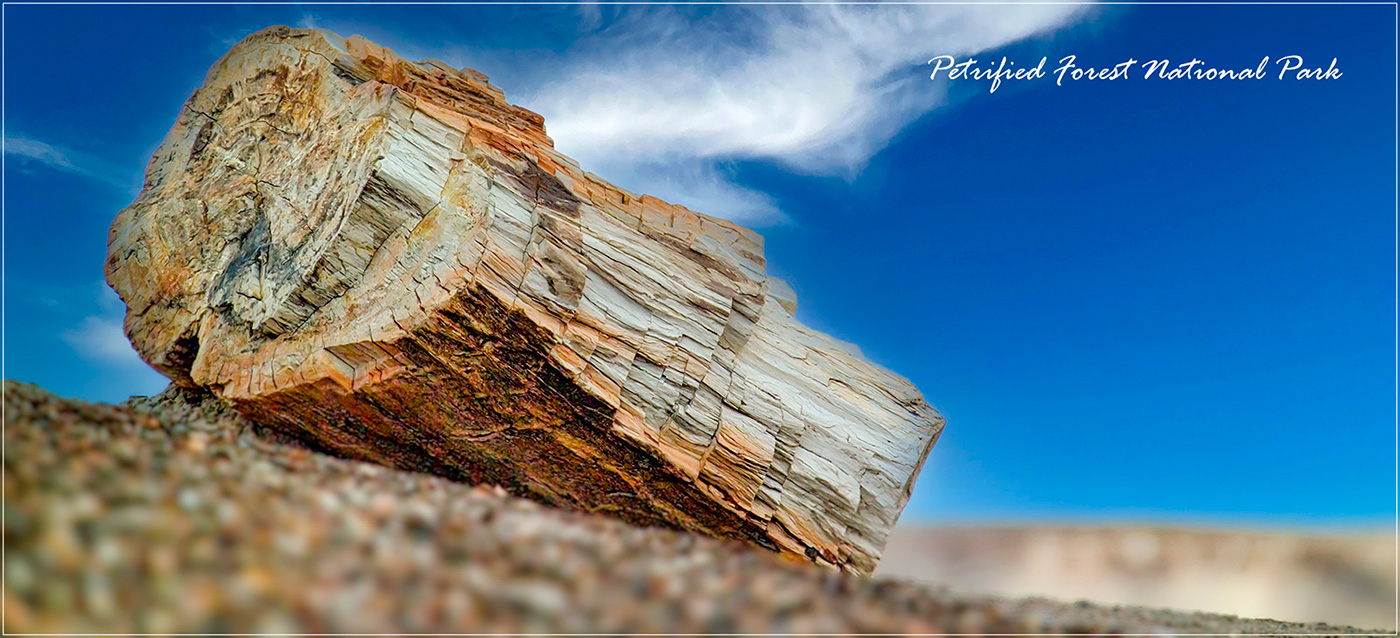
{"x": 1333, "y": 577}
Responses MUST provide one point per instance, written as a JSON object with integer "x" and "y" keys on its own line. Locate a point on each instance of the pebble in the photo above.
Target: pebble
{"x": 171, "y": 515}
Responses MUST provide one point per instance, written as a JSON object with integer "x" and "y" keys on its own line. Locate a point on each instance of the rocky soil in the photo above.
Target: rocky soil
{"x": 173, "y": 515}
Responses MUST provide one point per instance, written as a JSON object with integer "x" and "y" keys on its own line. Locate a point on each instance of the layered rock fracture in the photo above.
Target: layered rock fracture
{"x": 389, "y": 261}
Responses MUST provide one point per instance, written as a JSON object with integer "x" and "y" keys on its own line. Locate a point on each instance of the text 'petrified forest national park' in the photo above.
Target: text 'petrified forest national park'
{"x": 1069, "y": 69}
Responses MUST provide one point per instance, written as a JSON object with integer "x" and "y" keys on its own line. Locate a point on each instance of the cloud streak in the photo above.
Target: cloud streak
{"x": 101, "y": 341}
{"x": 662, "y": 99}
{"x": 32, "y": 151}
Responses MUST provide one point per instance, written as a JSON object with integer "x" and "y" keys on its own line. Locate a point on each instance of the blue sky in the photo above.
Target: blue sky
{"x": 1141, "y": 300}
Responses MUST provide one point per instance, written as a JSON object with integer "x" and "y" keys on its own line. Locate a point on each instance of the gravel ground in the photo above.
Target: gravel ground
{"x": 165, "y": 516}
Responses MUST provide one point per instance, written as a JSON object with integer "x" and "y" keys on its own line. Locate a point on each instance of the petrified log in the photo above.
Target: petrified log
{"x": 389, "y": 261}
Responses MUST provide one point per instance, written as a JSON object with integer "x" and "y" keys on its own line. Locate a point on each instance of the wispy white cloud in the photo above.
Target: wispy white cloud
{"x": 32, "y": 151}
{"x": 660, "y": 99}
{"x": 590, "y": 14}
{"x": 666, "y": 100}
{"x": 100, "y": 340}
{"x": 699, "y": 183}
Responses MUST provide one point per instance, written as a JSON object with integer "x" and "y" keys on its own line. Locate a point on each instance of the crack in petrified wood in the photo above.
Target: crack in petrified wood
{"x": 534, "y": 431}
{"x": 392, "y": 261}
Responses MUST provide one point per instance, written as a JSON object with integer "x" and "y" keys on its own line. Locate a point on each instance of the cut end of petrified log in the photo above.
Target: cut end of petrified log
{"x": 393, "y": 263}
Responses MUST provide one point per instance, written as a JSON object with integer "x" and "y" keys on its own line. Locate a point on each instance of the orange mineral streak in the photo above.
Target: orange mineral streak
{"x": 390, "y": 261}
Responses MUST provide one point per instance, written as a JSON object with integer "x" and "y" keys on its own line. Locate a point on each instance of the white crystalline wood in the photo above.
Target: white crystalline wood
{"x": 321, "y": 201}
